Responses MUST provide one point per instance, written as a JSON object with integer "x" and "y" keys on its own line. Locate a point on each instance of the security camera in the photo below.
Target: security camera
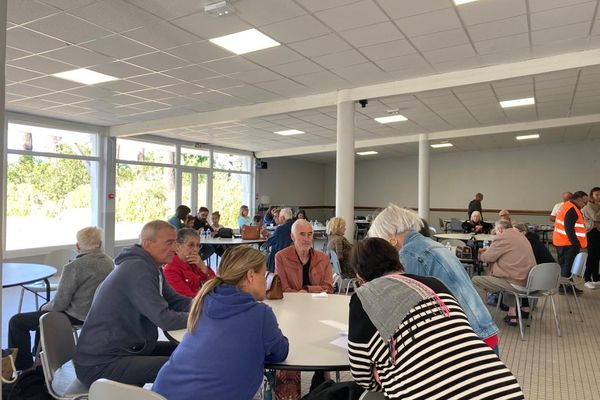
{"x": 363, "y": 103}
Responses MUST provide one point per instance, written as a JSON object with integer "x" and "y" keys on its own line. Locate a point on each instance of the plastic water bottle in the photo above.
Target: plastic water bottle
{"x": 486, "y": 244}
{"x": 448, "y": 246}
{"x": 206, "y": 234}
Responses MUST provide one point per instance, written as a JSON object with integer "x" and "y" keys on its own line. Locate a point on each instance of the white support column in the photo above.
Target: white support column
{"x": 344, "y": 164}
{"x": 3, "y": 127}
{"x": 424, "y": 176}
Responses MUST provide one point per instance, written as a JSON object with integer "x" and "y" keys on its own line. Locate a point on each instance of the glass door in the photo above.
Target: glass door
{"x": 194, "y": 189}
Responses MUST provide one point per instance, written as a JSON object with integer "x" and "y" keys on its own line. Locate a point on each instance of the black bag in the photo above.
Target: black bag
{"x": 30, "y": 386}
{"x": 225, "y": 233}
{"x": 329, "y": 390}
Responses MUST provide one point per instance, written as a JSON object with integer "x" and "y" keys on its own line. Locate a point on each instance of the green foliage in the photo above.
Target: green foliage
{"x": 228, "y": 196}
{"x": 194, "y": 160}
{"x": 81, "y": 197}
{"x": 140, "y": 201}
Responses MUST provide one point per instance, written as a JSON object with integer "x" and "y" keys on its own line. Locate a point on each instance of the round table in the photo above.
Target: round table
{"x": 465, "y": 236}
{"x": 231, "y": 241}
{"x": 310, "y": 322}
{"x": 19, "y": 274}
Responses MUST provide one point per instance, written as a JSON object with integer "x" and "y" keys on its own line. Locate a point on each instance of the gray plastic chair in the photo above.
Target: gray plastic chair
{"x": 58, "y": 344}
{"x": 104, "y": 389}
{"x": 542, "y": 282}
{"x": 367, "y": 395}
{"x": 337, "y": 273}
{"x": 456, "y": 225}
{"x": 577, "y": 270}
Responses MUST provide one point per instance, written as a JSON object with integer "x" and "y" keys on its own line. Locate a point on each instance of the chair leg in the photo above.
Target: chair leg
{"x": 21, "y": 299}
{"x": 518, "y": 300}
{"x": 555, "y": 316}
{"x": 37, "y": 303}
{"x": 567, "y": 297}
{"x": 577, "y": 304}
{"x": 544, "y": 308}
{"x": 498, "y": 304}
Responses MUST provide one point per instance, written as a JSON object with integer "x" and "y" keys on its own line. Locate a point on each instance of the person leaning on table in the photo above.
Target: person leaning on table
{"x": 119, "y": 339}
{"x": 76, "y": 288}
{"x": 408, "y": 337}
{"x": 230, "y": 335}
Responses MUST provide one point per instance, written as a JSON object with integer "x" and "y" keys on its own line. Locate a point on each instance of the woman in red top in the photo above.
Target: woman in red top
{"x": 187, "y": 272}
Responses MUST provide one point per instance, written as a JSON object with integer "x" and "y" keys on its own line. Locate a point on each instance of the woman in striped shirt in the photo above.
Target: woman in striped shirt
{"x": 409, "y": 338}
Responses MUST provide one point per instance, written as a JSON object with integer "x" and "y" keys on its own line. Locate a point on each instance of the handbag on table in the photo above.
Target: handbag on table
{"x": 274, "y": 286}
{"x": 250, "y": 232}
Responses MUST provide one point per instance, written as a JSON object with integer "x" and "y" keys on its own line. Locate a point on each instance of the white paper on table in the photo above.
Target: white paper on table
{"x": 341, "y": 341}
{"x": 335, "y": 324}
{"x": 322, "y": 295}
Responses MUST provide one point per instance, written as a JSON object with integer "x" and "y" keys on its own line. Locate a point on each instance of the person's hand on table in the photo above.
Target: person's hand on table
{"x": 303, "y": 291}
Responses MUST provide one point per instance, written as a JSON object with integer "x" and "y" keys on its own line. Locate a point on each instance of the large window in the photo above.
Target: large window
{"x": 51, "y": 178}
{"x": 231, "y": 189}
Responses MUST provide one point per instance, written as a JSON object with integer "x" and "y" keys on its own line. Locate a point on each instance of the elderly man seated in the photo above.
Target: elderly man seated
{"x": 76, "y": 288}
{"x": 510, "y": 258}
{"x": 282, "y": 237}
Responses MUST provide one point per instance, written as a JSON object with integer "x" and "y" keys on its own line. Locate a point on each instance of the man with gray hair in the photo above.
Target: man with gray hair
{"x": 119, "y": 340}
{"x": 424, "y": 257}
{"x": 510, "y": 258}
{"x": 281, "y": 238}
{"x": 76, "y": 288}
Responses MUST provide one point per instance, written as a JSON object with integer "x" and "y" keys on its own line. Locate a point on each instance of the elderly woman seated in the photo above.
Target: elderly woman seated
{"x": 336, "y": 227}
{"x": 187, "y": 272}
{"x": 409, "y": 337}
{"x": 476, "y": 225}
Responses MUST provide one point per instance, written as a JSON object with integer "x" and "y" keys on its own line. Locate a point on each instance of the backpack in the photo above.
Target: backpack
{"x": 30, "y": 385}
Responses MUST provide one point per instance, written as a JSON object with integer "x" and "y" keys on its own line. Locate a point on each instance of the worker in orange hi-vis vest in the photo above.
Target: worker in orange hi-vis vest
{"x": 569, "y": 232}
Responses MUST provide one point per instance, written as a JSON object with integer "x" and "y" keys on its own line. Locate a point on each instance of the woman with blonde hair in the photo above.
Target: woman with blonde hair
{"x": 230, "y": 335}
{"x": 336, "y": 227}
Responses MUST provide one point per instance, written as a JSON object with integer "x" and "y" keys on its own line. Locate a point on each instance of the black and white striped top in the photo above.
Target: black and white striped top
{"x": 436, "y": 356}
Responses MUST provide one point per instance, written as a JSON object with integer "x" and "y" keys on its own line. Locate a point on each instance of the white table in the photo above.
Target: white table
{"x": 231, "y": 241}
{"x": 465, "y": 236}
{"x": 310, "y": 324}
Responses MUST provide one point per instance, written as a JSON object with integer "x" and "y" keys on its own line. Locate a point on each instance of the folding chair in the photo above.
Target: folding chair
{"x": 577, "y": 270}
{"x": 105, "y": 389}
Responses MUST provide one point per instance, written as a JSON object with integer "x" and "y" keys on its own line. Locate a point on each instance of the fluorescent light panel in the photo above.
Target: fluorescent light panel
{"x": 527, "y": 137}
{"x": 391, "y": 118}
{"x": 245, "y": 41}
{"x": 440, "y": 145}
{"x": 85, "y": 76}
{"x": 367, "y": 153}
{"x": 460, "y": 2}
{"x": 517, "y": 102}
{"x": 289, "y": 132}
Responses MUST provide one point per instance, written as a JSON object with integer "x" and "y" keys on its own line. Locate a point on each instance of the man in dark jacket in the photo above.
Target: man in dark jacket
{"x": 119, "y": 340}
{"x": 281, "y": 238}
{"x": 475, "y": 205}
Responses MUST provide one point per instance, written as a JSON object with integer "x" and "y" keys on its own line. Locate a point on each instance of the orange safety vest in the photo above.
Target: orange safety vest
{"x": 559, "y": 237}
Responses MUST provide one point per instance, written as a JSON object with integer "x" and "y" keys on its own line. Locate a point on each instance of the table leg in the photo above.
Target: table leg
{"x": 337, "y": 376}
{"x": 47, "y": 282}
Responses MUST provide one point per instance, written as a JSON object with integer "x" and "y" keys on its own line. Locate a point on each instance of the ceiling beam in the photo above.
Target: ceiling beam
{"x": 431, "y": 82}
{"x": 441, "y": 135}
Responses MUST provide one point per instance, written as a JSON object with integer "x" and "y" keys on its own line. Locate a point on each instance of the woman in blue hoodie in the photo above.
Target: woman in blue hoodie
{"x": 230, "y": 335}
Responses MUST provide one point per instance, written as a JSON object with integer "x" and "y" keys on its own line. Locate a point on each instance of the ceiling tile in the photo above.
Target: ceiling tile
{"x": 23, "y": 11}
{"x": 388, "y": 50}
{"x": 352, "y": 16}
{"x": 207, "y": 27}
{"x": 115, "y": 15}
{"x": 78, "y": 56}
{"x": 13, "y": 54}
{"x": 541, "y": 5}
{"x": 563, "y": 16}
{"x": 319, "y": 46}
{"x": 26, "y": 90}
{"x": 318, "y": 5}
{"x": 257, "y": 75}
{"x": 158, "y": 61}
{"x": 363, "y": 74}
{"x": 252, "y": 93}
{"x": 323, "y": 81}
{"x": 16, "y": 74}
{"x": 253, "y": 11}
{"x": 231, "y": 65}
{"x": 296, "y": 29}
{"x": 63, "y": 98}
{"x": 68, "y": 28}
{"x": 191, "y": 73}
{"x": 341, "y": 59}
{"x": 400, "y": 63}
{"x": 218, "y": 83}
{"x": 121, "y": 86}
{"x": 273, "y": 56}
{"x": 151, "y": 94}
{"x": 42, "y": 65}
{"x": 423, "y": 24}
{"x": 161, "y": 36}
{"x": 200, "y": 52}
{"x": 118, "y": 46}
{"x": 479, "y": 12}
{"x": 168, "y": 10}
{"x": 372, "y": 34}
{"x": 53, "y": 83}
{"x": 562, "y": 33}
{"x": 406, "y": 8}
{"x": 28, "y": 40}
{"x": 286, "y": 88}
{"x": 184, "y": 89}
{"x": 501, "y": 28}
{"x": 120, "y": 69}
{"x": 440, "y": 40}
{"x": 449, "y": 53}
{"x": 503, "y": 44}
{"x": 297, "y": 68}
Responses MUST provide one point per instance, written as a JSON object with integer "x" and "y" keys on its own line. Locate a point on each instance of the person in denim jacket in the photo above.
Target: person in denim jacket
{"x": 425, "y": 257}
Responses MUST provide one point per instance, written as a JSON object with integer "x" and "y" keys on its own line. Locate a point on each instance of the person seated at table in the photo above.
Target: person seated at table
{"x": 186, "y": 272}
{"x": 269, "y": 218}
{"x": 119, "y": 340}
{"x": 300, "y": 214}
{"x": 202, "y": 225}
{"x": 179, "y": 218}
{"x": 215, "y": 218}
{"x": 510, "y": 258}
{"x": 540, "y": 252}
{"x": 476, "y": 225}
{"x": 302, "y": 268}
{"x": 408, "y": 336}
{"x": 243, "y": 218}
{"x": 336, "y": 227}
{"x": 425, "y": 257}
{"x": 504, "y": 215}
{"x": 281, "y": 238}
{"x": 189, "y": 221}
{"x": 74, "y": 295}
{"x": 215, "y": 360}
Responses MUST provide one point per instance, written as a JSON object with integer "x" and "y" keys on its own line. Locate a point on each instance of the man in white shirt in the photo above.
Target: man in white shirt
{"x": 566, "y": 197}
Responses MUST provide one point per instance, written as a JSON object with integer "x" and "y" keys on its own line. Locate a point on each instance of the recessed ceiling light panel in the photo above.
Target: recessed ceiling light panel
{"x": 391, "y": 118}
{"x": 289, "y": 132}
{"x": 367, "y": 153}
{"x": 527, "y": 137}
{"x": 85, "y": 76}
{"x": 440, "y": 145}
{"x": 517, "y": 102}
{"x": 460, "y": 2}
{"x": 245, "y": 41}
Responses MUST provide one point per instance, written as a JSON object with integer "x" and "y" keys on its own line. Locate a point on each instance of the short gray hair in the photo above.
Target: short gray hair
{"x": 299, "y": 222}
{"x": 151, "y": 229}
{"x": 286, "y": 213}
{"x": 394, "y": 220}
{"x": 89, "y": 238}
{"x": 184, "y": 234}
{"x": 503, "y": 224}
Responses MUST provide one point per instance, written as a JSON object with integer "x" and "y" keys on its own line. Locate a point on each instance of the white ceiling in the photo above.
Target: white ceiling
{"x": 167, "y": 67}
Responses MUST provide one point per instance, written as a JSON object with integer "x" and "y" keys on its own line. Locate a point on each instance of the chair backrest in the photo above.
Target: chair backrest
{"x": 453, "y": 242}
{"x": 543, "y": 277}
{"x": 59, "y": 258}
{"x": 578, "y": 267}
{"x": 335, "y": 263}
{"x": 104, "y": 389}
{"x": 456, "y": 225}
{"x": 57, "y": 340}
